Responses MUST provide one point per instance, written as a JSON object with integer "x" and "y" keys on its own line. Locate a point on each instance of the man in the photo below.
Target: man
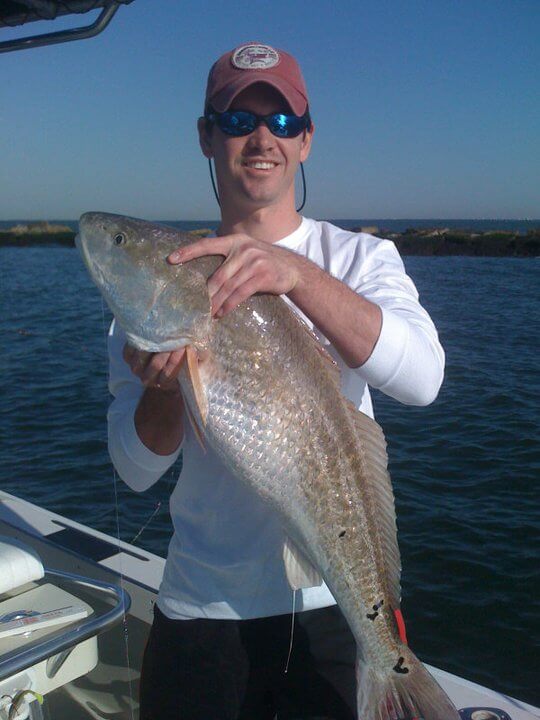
{"x": 220, "y": 639}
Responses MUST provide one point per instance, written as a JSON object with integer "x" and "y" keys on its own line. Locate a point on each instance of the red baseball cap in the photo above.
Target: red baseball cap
{"x": 252, "y": 63}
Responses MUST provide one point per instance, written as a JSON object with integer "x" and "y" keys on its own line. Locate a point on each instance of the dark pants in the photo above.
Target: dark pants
{"x": 235, "y": 670}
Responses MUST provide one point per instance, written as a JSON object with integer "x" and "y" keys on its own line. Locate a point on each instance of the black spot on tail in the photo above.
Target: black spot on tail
{"x": 398, "y": 667}
{"x": 376, "y": 609}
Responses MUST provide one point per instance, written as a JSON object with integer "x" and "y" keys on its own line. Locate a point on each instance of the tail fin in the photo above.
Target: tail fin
{"x": 406, "y": 693}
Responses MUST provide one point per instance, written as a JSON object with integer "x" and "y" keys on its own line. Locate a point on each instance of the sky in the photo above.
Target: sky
{"x": 422, "y": 109}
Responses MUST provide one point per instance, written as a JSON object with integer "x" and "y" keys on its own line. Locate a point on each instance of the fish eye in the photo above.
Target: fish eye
{"x": 119, "y": 239}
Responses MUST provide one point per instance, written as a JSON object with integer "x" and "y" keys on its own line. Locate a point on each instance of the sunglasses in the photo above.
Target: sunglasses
{"x": 241, "y": 122}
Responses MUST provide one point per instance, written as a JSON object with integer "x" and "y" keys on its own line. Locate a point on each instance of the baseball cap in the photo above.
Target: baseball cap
{"x": 251, "y": 63}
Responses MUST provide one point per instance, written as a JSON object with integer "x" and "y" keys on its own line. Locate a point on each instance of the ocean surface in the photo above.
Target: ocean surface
{"x": 465, "y": 469}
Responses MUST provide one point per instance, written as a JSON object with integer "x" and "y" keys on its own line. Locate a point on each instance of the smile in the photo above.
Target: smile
{"x": 259, "y": 165}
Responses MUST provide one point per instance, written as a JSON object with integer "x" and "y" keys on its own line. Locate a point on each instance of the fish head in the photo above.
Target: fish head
{"x": 160, "y": 306}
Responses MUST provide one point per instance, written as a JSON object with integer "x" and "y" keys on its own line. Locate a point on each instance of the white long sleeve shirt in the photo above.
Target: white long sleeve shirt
{"x": 225, "y": 556}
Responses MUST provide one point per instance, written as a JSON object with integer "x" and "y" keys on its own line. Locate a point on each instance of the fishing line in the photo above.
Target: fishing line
{"x": 120, "y": 562}
{"x": 292, "y": 631}
{"x": 143, "y": 528}
{"x": 122, "y": 585}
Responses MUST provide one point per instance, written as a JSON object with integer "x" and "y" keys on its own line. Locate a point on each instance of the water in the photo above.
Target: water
{"x": 464, "y": 469}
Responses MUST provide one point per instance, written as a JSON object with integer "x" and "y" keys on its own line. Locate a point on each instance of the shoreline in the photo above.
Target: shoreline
{"x": 441, "y": 241}
{"x": 435, "y": 242}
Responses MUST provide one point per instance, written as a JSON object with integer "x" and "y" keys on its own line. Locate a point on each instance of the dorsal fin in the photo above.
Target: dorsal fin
{"x": 377, "y": 477}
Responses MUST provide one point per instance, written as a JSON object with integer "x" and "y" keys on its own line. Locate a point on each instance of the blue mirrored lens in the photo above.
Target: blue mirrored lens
{"x": 241, "y": 122}
{"x": 284, "y": 125}
{"x": 237, "y": 122}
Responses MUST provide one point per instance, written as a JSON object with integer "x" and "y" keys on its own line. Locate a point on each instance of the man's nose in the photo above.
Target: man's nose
{"x": 261, "y": 138}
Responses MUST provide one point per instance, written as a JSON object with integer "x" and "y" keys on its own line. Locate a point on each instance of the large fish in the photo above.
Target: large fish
{"x": 265, "y": 395}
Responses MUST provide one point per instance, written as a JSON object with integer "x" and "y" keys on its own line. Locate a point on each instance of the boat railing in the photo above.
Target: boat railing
{"x": 59, "y": 646}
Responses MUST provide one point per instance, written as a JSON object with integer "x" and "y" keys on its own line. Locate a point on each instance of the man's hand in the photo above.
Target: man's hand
{"x": 250, "y": 266}
{"x": 159, "y": 414}
{"x": 155, "y": 370}
{"x": 351, "y": 323}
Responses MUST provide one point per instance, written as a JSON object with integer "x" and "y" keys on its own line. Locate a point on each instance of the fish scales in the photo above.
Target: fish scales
{"x": 265, "y": 396}
{"x": 319, "y": 486}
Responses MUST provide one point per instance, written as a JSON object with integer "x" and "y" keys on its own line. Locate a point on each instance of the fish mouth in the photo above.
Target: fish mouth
{"x": 163, "y": 346}
{"x": 96, "y": 273}
{"x": 81, "y": 247}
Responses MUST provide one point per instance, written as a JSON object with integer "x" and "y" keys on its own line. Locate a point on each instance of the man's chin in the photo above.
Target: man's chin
{"x": 261, "y": 198}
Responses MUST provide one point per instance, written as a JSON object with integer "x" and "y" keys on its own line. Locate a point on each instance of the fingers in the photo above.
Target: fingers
{"x": 136, "y": 359}
{"x": 251, "y": 269}
{"x": 239, "y": 259}
{"x": 237, "y": 296}
{"x": 206, "y": 246}
{"x": 231, "y": 290}
{"x": 159, "y": 370}
{"x": 163, "y": 370}
{"x": 250, "y": 266}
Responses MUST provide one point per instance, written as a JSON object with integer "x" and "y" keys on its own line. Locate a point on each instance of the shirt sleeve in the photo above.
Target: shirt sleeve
{"x": 138, "y": 466}
{"x": 407, "y": 361}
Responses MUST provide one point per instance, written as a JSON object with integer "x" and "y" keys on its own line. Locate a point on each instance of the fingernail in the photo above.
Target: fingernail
{"x": 174, "y": 257}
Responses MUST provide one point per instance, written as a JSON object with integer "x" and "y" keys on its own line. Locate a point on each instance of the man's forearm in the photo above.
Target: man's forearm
{"x": 159, "y": 420}
{"x": 349, "y": 321}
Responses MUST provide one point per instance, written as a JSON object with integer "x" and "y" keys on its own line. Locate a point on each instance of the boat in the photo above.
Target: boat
{"x": 89, "y": 667}
{"x": 17, "y": 13}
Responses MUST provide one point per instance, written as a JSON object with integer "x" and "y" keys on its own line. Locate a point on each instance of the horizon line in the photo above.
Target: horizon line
{"x": 328, "y": 217}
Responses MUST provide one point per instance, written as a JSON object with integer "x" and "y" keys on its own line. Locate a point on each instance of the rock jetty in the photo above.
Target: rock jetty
{"x": 37, "y": 233}
{"x": 446, "y": 241}
{"x": 43, "y": 234}
{"x": 414, "y": 241}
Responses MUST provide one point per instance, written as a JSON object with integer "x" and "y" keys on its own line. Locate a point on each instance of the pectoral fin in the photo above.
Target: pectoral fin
{"x": 300, "y": 572}
{"x": 194, "y": 394}
{"x": 196, "y": 428}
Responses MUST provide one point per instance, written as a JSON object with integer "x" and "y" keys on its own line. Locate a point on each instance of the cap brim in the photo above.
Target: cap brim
{"x": 222, "y": 100}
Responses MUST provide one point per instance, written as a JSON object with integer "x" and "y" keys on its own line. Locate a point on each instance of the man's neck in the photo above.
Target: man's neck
{"x": 268, "y": 224}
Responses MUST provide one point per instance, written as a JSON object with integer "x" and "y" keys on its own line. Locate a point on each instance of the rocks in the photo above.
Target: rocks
{"x": 37, "y": 233}
{"x": 200, "y": 233}
{"x": 461, "y": 242}
{"x": 414, "y": 241}
{"x": 44, "y": 233}
{"x": 370, "y": 230}
{"x": 444, "y": 241}
{"x": 39, "y": 228}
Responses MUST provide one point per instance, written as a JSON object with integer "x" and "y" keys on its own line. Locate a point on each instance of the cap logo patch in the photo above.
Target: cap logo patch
{"x": 255, "y": 57}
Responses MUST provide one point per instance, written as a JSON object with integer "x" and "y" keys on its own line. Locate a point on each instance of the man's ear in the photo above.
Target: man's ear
{"x": 306, "y": 143}
{"x": 205, "y": 138}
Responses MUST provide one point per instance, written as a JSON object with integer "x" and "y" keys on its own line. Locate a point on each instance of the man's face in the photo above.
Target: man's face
{"x": 256, "y": 170}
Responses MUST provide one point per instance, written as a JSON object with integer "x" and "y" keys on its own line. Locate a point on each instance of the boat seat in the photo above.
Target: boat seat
{"x": 19, "y": 565}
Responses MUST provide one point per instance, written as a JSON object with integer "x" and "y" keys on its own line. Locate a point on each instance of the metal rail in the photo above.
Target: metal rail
{"x": 80, "y": 33}
{"x": 18, "y": 660}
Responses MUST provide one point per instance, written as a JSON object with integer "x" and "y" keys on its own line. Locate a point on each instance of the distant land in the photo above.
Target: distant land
{"x": 475, "y": 238}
